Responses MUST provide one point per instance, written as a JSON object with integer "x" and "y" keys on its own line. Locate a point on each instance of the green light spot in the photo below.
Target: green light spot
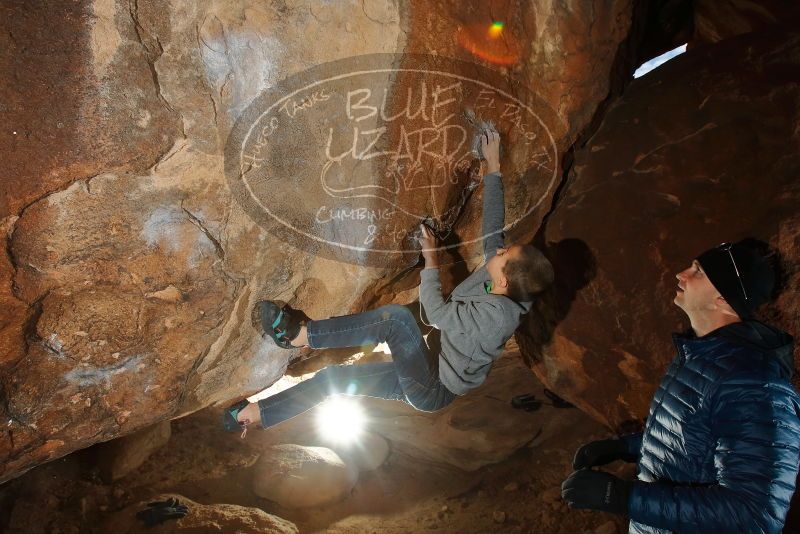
{"x": 497, "y": 25}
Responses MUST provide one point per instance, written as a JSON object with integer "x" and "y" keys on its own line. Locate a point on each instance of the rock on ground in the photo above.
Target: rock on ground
{"x": 295, "y": 476}
{"x": 367, "y": 453}
{"x": 202, "y": 518}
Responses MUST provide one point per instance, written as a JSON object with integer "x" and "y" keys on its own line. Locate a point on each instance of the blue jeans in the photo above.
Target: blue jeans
{"x": 412, "y": 376}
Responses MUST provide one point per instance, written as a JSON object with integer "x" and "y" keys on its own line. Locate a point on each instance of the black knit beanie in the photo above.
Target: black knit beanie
{"x": 741, "y": 274}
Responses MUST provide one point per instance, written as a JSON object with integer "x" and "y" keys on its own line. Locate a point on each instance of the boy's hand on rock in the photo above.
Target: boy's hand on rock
{"x": 490, "y": 146}
{"x": 428, "y": 243}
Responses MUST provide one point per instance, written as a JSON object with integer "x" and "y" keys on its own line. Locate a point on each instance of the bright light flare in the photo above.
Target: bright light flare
{"x": 495, "y": 29}
{"x": 493, "y": 43}
{"x": 340, "y": 419}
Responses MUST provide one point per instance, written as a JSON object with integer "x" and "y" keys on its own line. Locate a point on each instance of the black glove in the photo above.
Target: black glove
{"x": 602, "y": 452}
{"x": 159, "y": 511}
{"x": 595, "y": 490}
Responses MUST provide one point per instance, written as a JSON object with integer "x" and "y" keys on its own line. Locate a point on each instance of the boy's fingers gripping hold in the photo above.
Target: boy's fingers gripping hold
{"x": 427, "y": 239}
{"x": 490, "y": 146}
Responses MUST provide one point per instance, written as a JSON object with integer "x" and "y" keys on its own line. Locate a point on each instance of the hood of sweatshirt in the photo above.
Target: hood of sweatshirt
{"x": 473, "y": 287}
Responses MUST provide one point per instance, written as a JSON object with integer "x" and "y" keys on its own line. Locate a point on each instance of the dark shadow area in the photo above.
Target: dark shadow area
{"x": 575, "y": 266}
{"x": 776, "y": 263}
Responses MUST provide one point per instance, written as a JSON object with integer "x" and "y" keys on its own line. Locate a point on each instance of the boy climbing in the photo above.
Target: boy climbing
{"x": 483, "y": 313}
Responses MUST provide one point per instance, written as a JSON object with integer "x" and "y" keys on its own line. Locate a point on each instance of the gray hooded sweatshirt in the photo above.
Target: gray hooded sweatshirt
{"x": 475, "y": 325}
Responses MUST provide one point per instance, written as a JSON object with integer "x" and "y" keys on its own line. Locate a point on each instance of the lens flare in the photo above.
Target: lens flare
{"x": 340, "y": 420}
{"x": 492, "y": 44}
{"x": 495, "y": 29}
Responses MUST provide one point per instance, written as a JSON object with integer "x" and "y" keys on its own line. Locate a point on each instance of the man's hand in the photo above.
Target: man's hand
{"x": 601, "y": 452}
{"x": 490, "y": 146}
{"x": 595, "y": 490}
{"x": 428, "y": 243}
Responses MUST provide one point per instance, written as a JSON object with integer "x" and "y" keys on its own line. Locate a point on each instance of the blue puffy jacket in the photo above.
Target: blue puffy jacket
{"x": 721, "y": 447}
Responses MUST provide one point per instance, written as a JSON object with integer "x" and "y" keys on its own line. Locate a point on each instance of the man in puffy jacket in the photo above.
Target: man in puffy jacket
{"x": 721, "y": 446}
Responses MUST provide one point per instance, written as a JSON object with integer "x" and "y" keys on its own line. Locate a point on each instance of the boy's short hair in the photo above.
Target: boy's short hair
{"x": 528, "y": 274}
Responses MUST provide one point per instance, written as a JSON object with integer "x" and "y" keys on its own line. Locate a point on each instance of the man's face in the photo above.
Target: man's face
{"x": 695, "y": 291}
{"x": 496, "y": 264}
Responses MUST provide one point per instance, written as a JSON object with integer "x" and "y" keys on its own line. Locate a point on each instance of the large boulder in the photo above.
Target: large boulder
{"x": 699, "y": 151}
{"x": 130, "y": 272}
{"x": 295, "y": 476}
{"x": 130, "y": 267}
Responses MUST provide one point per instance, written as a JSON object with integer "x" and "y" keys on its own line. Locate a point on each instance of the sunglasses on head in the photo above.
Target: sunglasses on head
{"x": 726, "y": 247}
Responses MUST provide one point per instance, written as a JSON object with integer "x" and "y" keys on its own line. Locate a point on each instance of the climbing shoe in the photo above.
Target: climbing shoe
{"x": 230, "y": 418}
{"x": 278, "y": 323}
{"x": 527, "y": 402}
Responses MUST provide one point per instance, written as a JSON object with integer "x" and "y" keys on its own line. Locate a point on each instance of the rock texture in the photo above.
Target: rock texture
{"x": 129, "y": 271}
{"x": 121, "y": 456}
{"x": 367, "y": 454}
{"x": 295, "y": 476}
{"x": 564, "y": 52}
{"x": 201, "y": 518}
{"x": 699, "y": 151}
{"x": 716, "y": 20}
